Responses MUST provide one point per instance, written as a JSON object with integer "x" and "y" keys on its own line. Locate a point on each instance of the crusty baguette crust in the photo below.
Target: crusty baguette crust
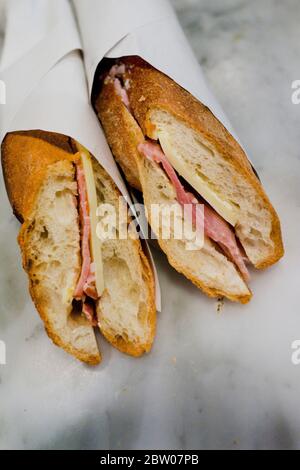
{"x": 23, "y": 178}
{"x": 159, "y": 91}
{"x": 81, "y": 355}
{"x": 127, "y": 134}
{"x": 209, "y": 291}
{"x": 126, "y": 347}
{"x": 150, "y": 89}
{"x": 123, "y": 140}
{"x": 183, "y": 269}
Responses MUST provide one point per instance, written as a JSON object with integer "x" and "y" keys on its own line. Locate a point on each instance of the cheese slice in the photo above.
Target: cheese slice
{"x": 95, "y": 242}
{"x": 224, "y": 208}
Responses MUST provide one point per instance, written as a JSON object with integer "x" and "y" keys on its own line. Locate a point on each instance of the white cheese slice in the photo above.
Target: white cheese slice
{"x": 224, "y": 208}
{"x": 95, "y": 242}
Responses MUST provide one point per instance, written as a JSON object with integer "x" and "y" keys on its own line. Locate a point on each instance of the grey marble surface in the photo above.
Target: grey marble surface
{"x": 213, "y": 380}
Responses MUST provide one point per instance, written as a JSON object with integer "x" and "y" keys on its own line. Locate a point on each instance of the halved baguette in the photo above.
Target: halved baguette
{"x": 39, "y": 171}
{"x": 225, "y": 166}
{"x": 158, "y": 105}
{"x": 207, "y": 268}
{"x": 126, "y": 310}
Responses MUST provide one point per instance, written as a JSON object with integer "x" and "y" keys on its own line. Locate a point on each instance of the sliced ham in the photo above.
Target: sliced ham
{"x": 86, "y": 283}
{"x": 85, "y": 232}
{"x": 215, "y": 227}
{"x": 88, "y": 310}
{"x": 89, "y": 287}
{"x": 117, "y": 69}
{"x": 115, "y": 72}
{"x": 218, "y": 230}
{"x": 121, "y": 91}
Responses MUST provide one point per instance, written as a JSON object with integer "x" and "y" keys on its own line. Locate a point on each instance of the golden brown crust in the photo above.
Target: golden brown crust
{"x": 81, "y": 355}
{"x": 23, "y": 176}
{"x": 125, "y": 136}
{"x": 149, "y": 90}
{"x": 127, "y": 347}
{"x": 128, "y": 135}
{"x": 134, "y": 349}
{"x": 243, "y": 299}
{"x": 123, "y": 142}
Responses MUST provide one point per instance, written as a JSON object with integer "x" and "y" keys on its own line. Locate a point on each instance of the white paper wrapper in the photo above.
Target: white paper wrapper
{"x": 46, "y": 87}
{"x": 149, "y": 29}
{"x": 46, "y": 83}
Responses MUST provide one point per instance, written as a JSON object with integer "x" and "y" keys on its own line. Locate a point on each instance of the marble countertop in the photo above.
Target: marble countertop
{"x": 214, "y": 379}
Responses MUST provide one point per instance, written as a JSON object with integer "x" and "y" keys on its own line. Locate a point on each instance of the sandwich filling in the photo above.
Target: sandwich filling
{"x": 115, "y": 74}
{"x": 90, "y": 284}
{"x": 86, "y": 290}
{"x": 216, "y": 227}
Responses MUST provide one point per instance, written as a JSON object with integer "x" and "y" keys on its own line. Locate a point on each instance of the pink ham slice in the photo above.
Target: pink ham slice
{"x": 117, "y": 69}
{"x": 121, "y": 92}
{"x": 86, "y": 283}
{"x": 115, "y": 72}
{"x": 215, "y": 227}
{"x": 88, "y": 310}
{"x": 90, "y": 286}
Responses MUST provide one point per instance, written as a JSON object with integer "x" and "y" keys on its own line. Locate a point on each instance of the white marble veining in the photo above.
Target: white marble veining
{"x": 213, "y": 380}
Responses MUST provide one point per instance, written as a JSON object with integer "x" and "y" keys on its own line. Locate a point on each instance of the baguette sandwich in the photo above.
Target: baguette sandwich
{"x": 76, "y": 280}
{"x": 174, "y": 150}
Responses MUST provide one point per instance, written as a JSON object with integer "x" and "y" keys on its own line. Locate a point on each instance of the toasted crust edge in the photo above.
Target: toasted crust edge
{"x": 161, "y": 92}
{"x": 133, "y": 349}
{"x": 80, "y": 354}
{"x": 108, "y": 104}
{"x": 213, "y": 293}
{"x": 61, "y": 147}
{"x": 130, "y": 348}
{"x": 23, "y": 177}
